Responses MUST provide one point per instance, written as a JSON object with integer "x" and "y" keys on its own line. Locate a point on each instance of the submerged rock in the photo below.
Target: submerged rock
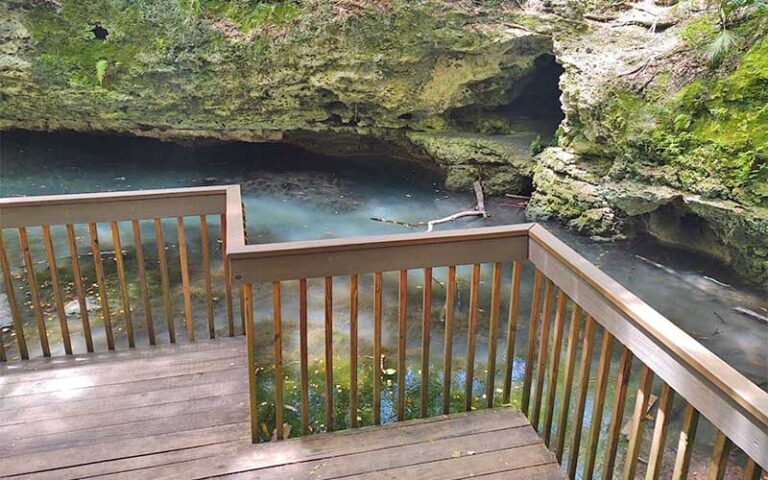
{"x": 72, "y": 307}
{"x": 503, "y": 162}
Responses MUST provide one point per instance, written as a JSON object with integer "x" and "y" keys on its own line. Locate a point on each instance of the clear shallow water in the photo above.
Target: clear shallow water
{"x": 290, "y": 195}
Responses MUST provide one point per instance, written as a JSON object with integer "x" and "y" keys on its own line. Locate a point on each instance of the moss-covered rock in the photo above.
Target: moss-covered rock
{"x": 503, "y": 162}
{"x": 173, "y": 71}
{"x": 659, "y": 139}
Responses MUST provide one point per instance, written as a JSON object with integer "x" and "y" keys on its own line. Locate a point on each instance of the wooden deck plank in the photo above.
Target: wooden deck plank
{"x": 115, "y": 378}
{"x": 82, "y": 359}
{"x": 378, "y": 459}
{"x": 92, "y": 424}
{"x": 102, "y": 372}
{"x": 77, "y": 462}
{"x": 88, "y": 406}
{"x": 181, "y": 411}
{"x": 117, "y": 390}
{"x": 344, "y": 443}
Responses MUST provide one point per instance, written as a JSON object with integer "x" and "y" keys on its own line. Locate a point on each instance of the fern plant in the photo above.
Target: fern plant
{"x": 101, "y": 71}
{"x": 729, "y": 13}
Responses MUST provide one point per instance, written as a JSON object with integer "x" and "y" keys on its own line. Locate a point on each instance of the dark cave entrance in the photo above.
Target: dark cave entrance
{"x": 675, "y": 225}
{"x": 534, "y": 107}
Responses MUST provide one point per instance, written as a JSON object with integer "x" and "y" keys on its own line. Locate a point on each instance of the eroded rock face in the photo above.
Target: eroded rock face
{"x": 657, "y": 140}
{"x": 575, "y": 191}
{"x": 169, "y": 73}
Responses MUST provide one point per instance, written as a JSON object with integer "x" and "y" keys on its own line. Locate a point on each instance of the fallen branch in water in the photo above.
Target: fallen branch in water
{"x": 751, "y": 313}
{"x": 479, "y": 211}
{"x": 398, "y": 222}
{"x": 517, "y": 197}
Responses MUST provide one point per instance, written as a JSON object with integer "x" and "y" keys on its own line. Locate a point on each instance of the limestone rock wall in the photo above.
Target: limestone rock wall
{"x": 655, "y": 138}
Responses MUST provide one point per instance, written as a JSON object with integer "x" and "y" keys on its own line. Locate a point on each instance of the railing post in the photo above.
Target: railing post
{"x": 246, "y": 293}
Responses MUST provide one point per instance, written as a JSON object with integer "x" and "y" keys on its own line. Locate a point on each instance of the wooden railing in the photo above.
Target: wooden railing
{"x": 544, "y": 365}
{"x": 575, "y": 311}
{"x": 144, "y": 229}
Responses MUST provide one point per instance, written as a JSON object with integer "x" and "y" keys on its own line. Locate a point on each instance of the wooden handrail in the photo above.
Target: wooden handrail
{"x": 727, "y": 378}
{"x": 735, "y": 405}
{"x": 114, "y": 208}
{"x": 106, "y": 207}
{"x": 344, "y": 256}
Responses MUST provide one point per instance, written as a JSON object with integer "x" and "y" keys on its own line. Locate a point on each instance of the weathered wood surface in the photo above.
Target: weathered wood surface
{"x": 181, "y": 411}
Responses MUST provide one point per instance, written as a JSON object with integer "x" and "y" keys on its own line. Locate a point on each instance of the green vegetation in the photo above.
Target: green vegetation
{"x": 101, "y": 71}
{"x": 250, "y": 14}
{"x": 712, "y": 138}
{"x": 726, "y": 29}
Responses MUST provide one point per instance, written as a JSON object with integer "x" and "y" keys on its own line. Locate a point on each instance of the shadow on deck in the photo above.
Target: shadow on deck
{"x": 181, "y": 411}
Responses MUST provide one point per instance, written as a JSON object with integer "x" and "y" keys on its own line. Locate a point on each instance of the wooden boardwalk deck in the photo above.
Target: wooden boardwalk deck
{"x": 181, "y": 411}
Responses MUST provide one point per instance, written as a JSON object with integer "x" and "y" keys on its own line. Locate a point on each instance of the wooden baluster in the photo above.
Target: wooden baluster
{"x": 207, "y": 275}
{"x": 10, "y": 292}
{"x": 184, "y": 261}
{"x": 554, "y": 364}
{"x": 303, "y": 353}
{"x": 450, "y": 309}
{"x": 570, "y": 367}
{"x": 638, "y": 417}
{"x": 3, "y": 355}
{"x": 425, "y": 333}
{"x": 531, "y": 355}
{"x": 123, "y": 285}
{"x": 541, "y": 371}
{"x": 41, "y": 330}
{"x": 474, "y": 294}
{"x": 377, "y": 307}
{"x": 77, "y": 277}
{"x": 719, "y": 461}
{"x": 598, "y": 404}
{"x": 401, "y": 345}
{"x": 227, "y": 281}
{"x": 11, "y": 297}
{"x": 617, "y": 413}
{"x": 57, "y": 296}
{"x": 247, "y": 295}
{"x": 329, "y": 353}
{"x": 165, "y": 281}
{"x": 277, "y": 341}
{"x": 353, "y": 299}
{"x": 493, "y": 328}
{"x": 242, "y": 312}
{"x": 686, "y": 442}
{"x": 514, "y": 309}
{"x": 143, "y": 281}
{"x": 99, "y": 268}
{"x": 659, "y": 433}
{"x": 587, "y": 349}
{"x": 752, "y": 470}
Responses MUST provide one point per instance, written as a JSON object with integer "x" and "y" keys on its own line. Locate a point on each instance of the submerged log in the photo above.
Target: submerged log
{"x": 751, "y": 314}
{"x": 478, "y": 211}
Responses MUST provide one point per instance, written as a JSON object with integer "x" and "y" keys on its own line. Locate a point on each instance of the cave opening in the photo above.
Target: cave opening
{"x": 533, "y": 108}
{"x": 675, "y": 225}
